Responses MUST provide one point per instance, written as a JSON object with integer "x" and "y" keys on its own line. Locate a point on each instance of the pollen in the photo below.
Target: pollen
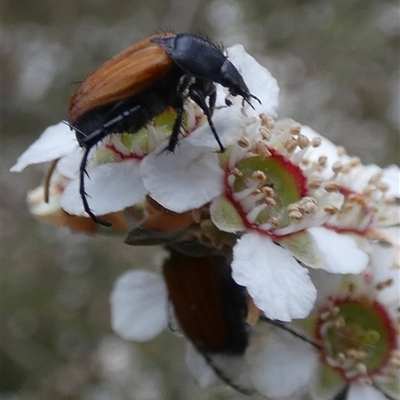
{"x": 295, "y": 129}
{"x": 290, "y": 145}
{"x": 303, "y": 141}
{"x": 270, "y": 201}
{"x": 331, "y": 210}
{"x": 237, "y": 172}
{"x": 337, "y": 167}
{"x": 265, "y": 133}
{"x": 332, "y": 186}
{"x": 322, "y": 161}
{"x": 314, "y": 182}
{"x": 296, "y": 215}
{"x": 316, "y": 142}
{"x": 259, "y": 176}
{"x": 274, "y": 222}
{"x": 267, "y": 122}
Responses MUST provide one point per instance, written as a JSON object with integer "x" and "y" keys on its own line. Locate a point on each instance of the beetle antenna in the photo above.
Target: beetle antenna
{"x": 248, "y": 101}
{"x": 73, "y": 128}
{"x": 282, "y": 325}
{"x": 82, "y": 192}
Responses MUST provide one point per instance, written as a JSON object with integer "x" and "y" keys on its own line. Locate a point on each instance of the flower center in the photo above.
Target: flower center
{"x": 264, "y": 189}
{"x": 136, "y": 146}
{"x": 358, "y": 337}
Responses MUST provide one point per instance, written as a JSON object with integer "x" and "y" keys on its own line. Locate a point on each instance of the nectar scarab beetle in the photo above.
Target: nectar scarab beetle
{"x": 210, "y": 309}
{"x": 141, "y": 82}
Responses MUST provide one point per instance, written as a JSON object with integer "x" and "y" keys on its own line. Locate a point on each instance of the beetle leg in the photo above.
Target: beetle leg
{"x": 82, "y": 192}
{"x": 183, "y": 89}
{"x": 102, "y": 132}
{"x": 176, "y": 130}
{"x": 212, "y": 100}
{"x": 185, "y": 82}
{"x": 198, "y": 97}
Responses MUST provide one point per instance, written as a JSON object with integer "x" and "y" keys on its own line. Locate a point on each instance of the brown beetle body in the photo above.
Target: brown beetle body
{"x": 127, "y": 74}
{"x": 132, "y": 88}
{"x": 210, "y": 307}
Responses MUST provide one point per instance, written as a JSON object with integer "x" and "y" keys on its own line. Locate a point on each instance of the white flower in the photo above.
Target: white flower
{"x": 355, "y": 329}
{"x": 140, "y": 311}
{"x": 266, "y": 190}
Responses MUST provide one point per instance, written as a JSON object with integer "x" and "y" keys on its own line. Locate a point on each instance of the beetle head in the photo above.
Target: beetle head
{"x": 233, "y": 80}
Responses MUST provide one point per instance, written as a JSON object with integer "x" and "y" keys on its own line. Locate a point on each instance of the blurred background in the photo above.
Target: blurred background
{"x": 337, "y": 64}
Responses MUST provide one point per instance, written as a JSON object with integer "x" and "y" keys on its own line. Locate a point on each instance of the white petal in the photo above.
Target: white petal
{"x": 139, "y": 305}
{"x": 229, "y": 123}
{"x": 326, "y": 284}
{"x": 56, "y": 141}
{"x": 187, "y": 179}
{"x": 278, "y": 355}
{"x": 391, "y": 176}
{"x": 259, "y": 81}
{"x": 233, "y": 369}
{"x": 382, "y": 260}
{"x": 110, "y": 187}
{"x": 364, "y": 392}
{"x": 340, "y": 252}
{"x": 68, "y": 166}
{"x": 198, "y": 367}
{"x": 278, "y": 285}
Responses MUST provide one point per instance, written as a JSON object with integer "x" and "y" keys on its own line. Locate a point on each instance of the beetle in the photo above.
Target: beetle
{"x": 210, "y": 308}
{"x": 130, "y": 89}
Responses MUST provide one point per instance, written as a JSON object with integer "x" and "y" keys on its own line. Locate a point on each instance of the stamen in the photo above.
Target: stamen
{"x": 332, "y": 186}
{"x": 337, "y": 167}
{"x": 316, "y": 142}
{"x": 243, "y": 142}
{"x": 259, "y": 176}
{"x": 270, "y": 201}
{"x": 295, "y": 129}
{"x": 341, "y": 151}
{"x": 274, "y": 222}
{"x": 290, "y": 145}
{"x": 303, "y": 141}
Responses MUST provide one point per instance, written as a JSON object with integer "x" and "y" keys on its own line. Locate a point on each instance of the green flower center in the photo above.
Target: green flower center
{"x": 263, "y": 190}
{"x": 358, "y": 336}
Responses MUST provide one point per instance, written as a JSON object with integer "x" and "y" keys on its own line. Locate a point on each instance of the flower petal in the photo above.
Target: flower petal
{"x": 391, "y": 176}
{"x": 187, "y": 179}
{"x": 68, "y": 166}
{"x": 327, "y": 284}
{"x": 229, "y": 123}
{"x": 279, "y": 286}
{"x": 327, "y": 383}
{"x": 259, "y": 81}
{"x": 56, "y": 141}
{"x": 198, "y": 367}
{"x": 233, "y": 369}
{"x": 364, "y": 392}
{"x": 110, "y": 187}
{"x": 139, "y": 305}
{"x": 269, "y": 357}
{"x": 340, "y": 252}
{"x": 382, "y": 263}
